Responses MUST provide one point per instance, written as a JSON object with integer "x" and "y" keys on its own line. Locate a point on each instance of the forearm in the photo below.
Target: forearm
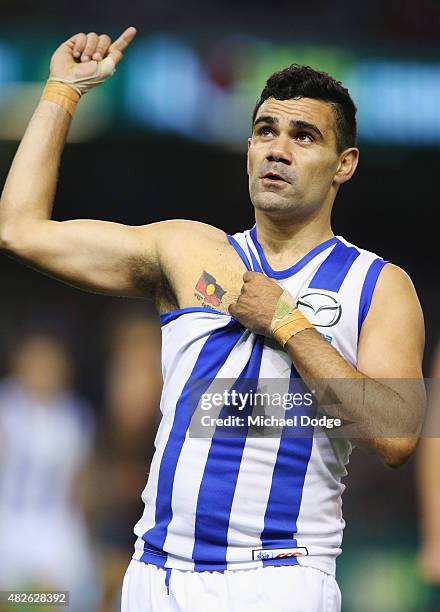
{"x": 381, "y": 418}
{"x": 30, "y": 187}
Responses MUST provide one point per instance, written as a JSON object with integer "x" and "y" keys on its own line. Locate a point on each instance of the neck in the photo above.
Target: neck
{"x": 284, "y": 236}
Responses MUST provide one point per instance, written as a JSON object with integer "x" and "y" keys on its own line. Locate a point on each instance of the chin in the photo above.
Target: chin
{"x": 273, "y": 203}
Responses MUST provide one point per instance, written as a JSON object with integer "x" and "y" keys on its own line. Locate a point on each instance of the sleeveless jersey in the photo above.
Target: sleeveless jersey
{"x": 239, "y": 502}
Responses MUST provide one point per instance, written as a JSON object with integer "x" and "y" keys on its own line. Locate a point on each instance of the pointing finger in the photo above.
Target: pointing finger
{"x": 118, "y": 47}
{"x": 125, "y": 39}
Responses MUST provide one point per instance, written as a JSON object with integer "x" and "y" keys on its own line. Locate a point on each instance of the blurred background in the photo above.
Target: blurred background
{"x": 166, "y": 138}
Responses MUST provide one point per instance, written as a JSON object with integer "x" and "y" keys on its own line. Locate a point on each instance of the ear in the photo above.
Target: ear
{"x": 248, "y": 148}
{"x": 348, "y": 162}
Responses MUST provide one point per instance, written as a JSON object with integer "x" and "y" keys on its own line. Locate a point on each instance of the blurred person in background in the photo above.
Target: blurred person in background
{"x": 125, "y": 440}
{"x": 46, "y": 437}
{"x": 428, "y": 471}
{"x": 268, "y": 507}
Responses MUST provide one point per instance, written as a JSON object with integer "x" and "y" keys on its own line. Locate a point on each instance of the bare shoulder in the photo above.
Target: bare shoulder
{"x": 396, "y": 285}
{"x": 392, "y": 336}
{"x": 394, "y": 302}
{"x": 394, "y": 275}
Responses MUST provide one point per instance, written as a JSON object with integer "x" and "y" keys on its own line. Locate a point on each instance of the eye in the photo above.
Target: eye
{"x": 265, "y": 131}
{"x": 305, "y": 137}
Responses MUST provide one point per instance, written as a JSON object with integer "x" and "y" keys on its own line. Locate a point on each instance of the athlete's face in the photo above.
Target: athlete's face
{"x": 293, "y": 164}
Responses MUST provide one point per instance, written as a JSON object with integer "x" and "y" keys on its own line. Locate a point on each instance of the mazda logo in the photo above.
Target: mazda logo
{"x": 321, "y": 309}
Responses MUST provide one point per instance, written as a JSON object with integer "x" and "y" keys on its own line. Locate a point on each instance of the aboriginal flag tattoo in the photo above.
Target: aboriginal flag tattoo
{"x": 209, "y": 290}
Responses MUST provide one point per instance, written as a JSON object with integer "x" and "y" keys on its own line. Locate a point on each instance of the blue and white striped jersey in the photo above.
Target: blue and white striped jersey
{"x": 219, "y": 502}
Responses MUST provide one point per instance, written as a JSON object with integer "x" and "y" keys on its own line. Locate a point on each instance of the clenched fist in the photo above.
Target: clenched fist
{"x": 256, "y": 305}
{"x": 85, "y": 60}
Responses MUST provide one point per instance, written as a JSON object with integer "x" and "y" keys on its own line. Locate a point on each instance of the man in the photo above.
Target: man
{"x": 257, "y": 520}
{"x": 46, "y": 439}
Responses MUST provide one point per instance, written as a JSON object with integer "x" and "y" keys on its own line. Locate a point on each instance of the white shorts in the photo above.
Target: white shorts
{"x": 288, "y": 588}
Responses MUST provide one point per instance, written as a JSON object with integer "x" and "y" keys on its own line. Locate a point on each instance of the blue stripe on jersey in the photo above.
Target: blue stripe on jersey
{"x": 255, "y": 262}
{"x": 220, "y": 475}
{"x": 213, "y": 355}
{"x": 280, "y": 274}
{"x": 240, "y": 251}
{"x": 333, "y": 270}
{"x": 167, "y": 317}
{"x": 368, "y": 289}
{"x": 282, "y": 511}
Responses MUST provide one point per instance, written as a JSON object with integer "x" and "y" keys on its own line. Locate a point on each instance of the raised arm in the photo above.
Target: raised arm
{"x": 95, "y": 255}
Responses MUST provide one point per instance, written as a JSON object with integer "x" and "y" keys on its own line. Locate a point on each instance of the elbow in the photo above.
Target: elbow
{"x": 396, "y": 451}
{"x": 11, "y": 238}
{"x": 7, "y": 239}
{"x": 396, "y": 461}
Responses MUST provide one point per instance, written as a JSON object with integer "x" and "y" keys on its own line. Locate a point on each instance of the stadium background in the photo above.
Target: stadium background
{"x": 166, "y": 138}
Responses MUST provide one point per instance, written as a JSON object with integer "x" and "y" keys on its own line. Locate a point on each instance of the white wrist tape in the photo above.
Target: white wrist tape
{"x": 287, "y": 320}
{"x": 285, "y": 306}
{"x": 104, "y": 69}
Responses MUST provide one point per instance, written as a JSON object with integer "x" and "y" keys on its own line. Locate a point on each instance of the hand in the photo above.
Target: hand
{"x": 78, "y": 57}
{"x": 257, "y": 302}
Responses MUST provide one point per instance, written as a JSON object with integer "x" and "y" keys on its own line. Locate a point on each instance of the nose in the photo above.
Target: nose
{"x": 279, "y": 152}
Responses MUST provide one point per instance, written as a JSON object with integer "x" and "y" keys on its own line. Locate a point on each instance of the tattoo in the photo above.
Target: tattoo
{"x": 208, "y": 291}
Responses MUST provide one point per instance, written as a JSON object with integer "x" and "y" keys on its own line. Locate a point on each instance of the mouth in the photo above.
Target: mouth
{"x": 273, "y": 178}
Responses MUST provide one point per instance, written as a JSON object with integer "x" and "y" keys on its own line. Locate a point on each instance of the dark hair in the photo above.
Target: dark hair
{"x": 298, "y": 81}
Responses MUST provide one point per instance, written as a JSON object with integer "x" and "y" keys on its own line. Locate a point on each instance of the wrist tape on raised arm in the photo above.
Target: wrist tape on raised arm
{"x": 67, "y": 92}
{"x": 61, "y": 94}
{"x": 288, "y": 320}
